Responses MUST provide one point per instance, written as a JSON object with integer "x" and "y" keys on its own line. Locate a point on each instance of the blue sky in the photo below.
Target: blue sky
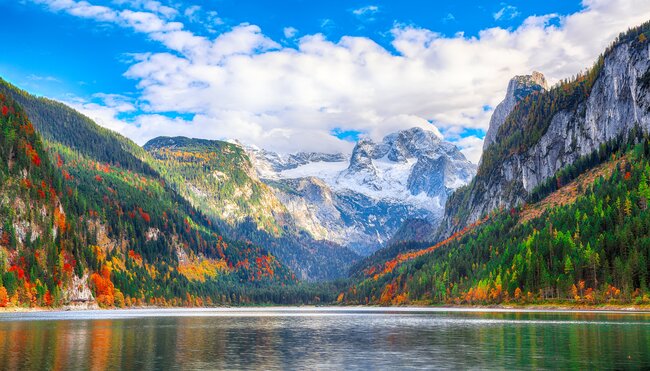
{"x": 327, "y": 68}
{"x": 58, "y": 54}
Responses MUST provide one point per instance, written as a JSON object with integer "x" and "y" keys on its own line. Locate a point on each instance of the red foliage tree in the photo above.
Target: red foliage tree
{"x": 48, "y": 300}
{"x": 36, "y": 160}
{"x": 20, "y": 273}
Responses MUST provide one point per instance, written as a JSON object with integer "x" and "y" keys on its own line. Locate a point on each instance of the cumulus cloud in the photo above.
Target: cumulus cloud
{"x": 191, "y": 11}
{"x": 242, "y": 84}
{"x": 471, "y": 147}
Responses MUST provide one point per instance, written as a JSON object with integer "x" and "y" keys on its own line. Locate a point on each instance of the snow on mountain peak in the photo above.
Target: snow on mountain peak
{"x": 408, "y": 174}
{"x": 413, "y": 166}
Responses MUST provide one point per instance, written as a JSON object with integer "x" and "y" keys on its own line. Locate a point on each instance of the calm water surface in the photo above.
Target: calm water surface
{"x": 323, "y": 338}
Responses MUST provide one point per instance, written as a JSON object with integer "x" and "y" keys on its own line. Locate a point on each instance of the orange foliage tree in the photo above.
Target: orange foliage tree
{"x": 104, "y": 288}
{"x": 4, "y": 298}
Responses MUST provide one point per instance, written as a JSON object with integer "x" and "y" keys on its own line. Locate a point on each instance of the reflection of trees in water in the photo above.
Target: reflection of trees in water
{"x": 228, "y": 343}
{"x": 456, "y": 340}
{"x": 101, "y": 344}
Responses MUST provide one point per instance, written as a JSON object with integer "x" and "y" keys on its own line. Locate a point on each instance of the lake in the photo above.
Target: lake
{"x": 323, "y": 338}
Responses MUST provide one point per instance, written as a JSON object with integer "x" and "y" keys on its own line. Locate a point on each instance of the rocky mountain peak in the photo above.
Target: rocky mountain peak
{"x": 396, "y": 147}
{"x": 408, "y": 144}
{"x": 362, "y": 156}
{"x": 616, "y": 103}
{"x": 427, "y": 163}
{"x": 362, "y": 199}
{"x": 519, "y": 88}
{"x": 523, "y": 85}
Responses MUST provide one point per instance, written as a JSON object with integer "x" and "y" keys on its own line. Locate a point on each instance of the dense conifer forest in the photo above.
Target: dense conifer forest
{"x": 591, "y": 249}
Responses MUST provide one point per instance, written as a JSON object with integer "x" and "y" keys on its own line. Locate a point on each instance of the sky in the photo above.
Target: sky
{"x": 299, "y": 75}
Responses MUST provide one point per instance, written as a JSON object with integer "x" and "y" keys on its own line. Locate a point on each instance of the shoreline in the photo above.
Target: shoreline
{"x": 531, "y": 308}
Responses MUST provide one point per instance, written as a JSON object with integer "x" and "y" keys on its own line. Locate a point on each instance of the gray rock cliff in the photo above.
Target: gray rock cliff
{"x": 519, "y": 88}
{"x": 618, "y": 101}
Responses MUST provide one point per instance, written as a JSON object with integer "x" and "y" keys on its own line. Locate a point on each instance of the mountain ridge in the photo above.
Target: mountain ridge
{"x": 548, "y": 131}
{"x": 409, "y": 174}
{"x": 121, "y": 236}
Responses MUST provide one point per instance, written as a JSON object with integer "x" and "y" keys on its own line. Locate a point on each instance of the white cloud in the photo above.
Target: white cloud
{"x": 244, "y": 85}
{"x": 506, "y": 13}
{"x": 191, "y": 12}
{"x": 35, "y": 77}
{"x": 290, "y": 32}
{"x": 327, "y": 24}
{"x": 471, "y": 147}
{"x": 366, "y": 10}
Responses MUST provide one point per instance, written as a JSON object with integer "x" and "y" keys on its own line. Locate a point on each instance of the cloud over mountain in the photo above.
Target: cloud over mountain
{"x": 245, "y": 85}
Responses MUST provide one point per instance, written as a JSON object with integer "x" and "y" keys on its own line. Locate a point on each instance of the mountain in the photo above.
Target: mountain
{"x": 363, "y": 201}
{"x": 430, "y": 167}
{"x": 217, "y": 178}
{"x": 314, "y": 211}
{"x": 550, "y": 130}
{"x": 558, "y": 210}
{"x": 519, "y": 88}
{"x": 584, "y": 244}
{"x": 89, "y": 219}
{"x": 58, "y": 123}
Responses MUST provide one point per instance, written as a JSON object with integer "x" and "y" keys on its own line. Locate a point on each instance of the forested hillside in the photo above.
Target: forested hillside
{"x": 588, "y": 242}
{"x": 80, "y": 225}
{"x": 218, "y": 179}
{"x": 58, "y": 123}
{"x": 550, "y": 130}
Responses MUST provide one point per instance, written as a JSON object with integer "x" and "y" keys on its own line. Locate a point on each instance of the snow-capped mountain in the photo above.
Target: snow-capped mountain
{"x": 363, "y": 200}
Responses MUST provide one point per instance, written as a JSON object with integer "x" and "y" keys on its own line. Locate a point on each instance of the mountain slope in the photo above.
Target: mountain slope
{"x": 218, "y": 178}
{"x": 591, "y": 246}
{"x": 363, "y": 202}
{"x": 76, "y": 228}
{"x": 548, "y": 131}
{"x": 56, "y": 122}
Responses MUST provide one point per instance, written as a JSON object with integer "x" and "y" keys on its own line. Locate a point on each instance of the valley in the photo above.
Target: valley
{"x": 556, "y": 212}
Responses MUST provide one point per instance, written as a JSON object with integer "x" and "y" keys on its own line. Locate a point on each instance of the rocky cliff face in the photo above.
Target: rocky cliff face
{"x": 429, "y": 165}
{"x": 617, "y": 102}
{"x": 344, "y": 217}
{"x": 268, "y": 163}
{"x": 519, "y": 88}
{"x": 361, "y": 203}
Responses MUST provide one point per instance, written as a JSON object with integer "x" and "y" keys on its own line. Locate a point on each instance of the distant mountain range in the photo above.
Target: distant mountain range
{"x": 317, "y": 212}
{"x": 556, "y": 210}
{"x": 363, "y": 200}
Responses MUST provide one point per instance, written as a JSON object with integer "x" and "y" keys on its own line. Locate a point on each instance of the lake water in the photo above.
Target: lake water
{"x": 322, "y": 338}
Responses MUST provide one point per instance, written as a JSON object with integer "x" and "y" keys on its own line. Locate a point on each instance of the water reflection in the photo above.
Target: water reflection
{"x": 348, "y": 339}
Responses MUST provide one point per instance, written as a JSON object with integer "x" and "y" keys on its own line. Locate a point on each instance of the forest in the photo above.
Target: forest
{"x": 72, "y": 215}
{"x": 592, "y": 250}
{"x": 87, "y": 216}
